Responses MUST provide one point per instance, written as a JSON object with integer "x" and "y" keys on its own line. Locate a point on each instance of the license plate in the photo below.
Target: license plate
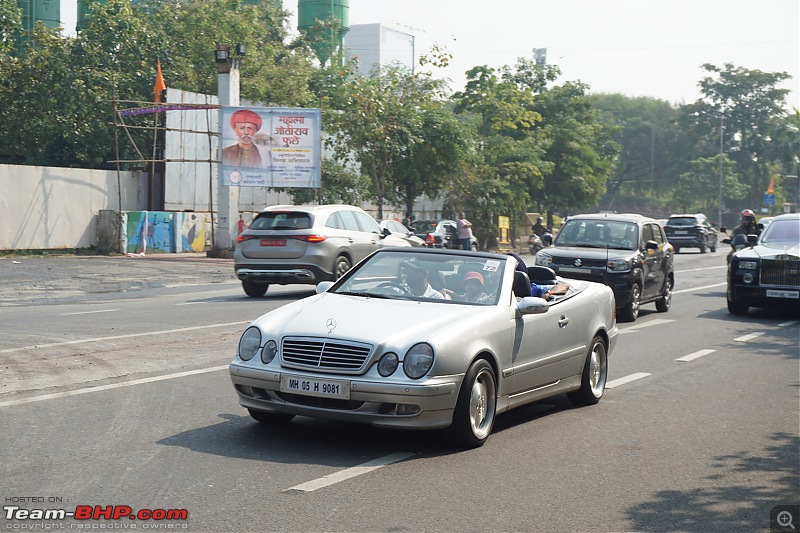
{"x": 323, "y": 388}
{"x": 782, "y": 294}
{"x": 680, "y": 232}
{"x": 273, "y": 242}
{"x": 570, "y": 269}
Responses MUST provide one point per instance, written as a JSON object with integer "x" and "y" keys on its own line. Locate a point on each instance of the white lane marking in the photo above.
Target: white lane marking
{"x": 695, "y": 355}
{"x": 90, "y": 312}
{"x": 700, "y": 288}
{"x": 698, "y": 269}
{"x": 206, "y": 302}
{"x": 112, "y": 386}
{"x": 348, "y": 473}
{"x": 129, "y": 336}
{"x": 745, "y": 338}
{"x": 626, "y": 379}
{"x": 654, "y": 322}
{"x": 790, "y": 323}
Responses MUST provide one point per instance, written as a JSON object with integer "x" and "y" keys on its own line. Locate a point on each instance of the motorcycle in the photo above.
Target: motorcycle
{"x": 738, "y": 242}
{"x": 536, "y": 243}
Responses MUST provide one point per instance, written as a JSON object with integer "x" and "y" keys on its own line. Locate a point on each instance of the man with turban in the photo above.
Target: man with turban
{"x": 244, "y": 153}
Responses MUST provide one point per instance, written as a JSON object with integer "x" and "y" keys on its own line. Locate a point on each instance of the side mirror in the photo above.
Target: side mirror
{"x": 323, "y": 286}
{"x": 722, "y": 229}
{"x": 651, "y": 245}
{"x": 760, "y": 226}
{"x": 752, "y": 239}
{"x": 531, "y": 305}
{"x": 386, "y": 232}
{"x": 547, "y": 239}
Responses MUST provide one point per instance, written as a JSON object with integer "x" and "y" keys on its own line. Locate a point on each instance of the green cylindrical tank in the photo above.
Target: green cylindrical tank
{"x": 47, "y": 12}
{"x": 310, "y": 11}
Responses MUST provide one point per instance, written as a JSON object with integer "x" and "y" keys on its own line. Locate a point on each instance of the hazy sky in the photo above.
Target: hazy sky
{"x": 635, "y": 47}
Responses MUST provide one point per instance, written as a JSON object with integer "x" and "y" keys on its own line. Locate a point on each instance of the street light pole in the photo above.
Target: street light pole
{"x": 719, "y": 200}
{"x": 227, "y": 197}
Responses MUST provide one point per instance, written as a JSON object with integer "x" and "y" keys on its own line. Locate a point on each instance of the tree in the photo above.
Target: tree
{"x": 381, "y": 126}
{"x": 749, "y": 106}
{"x": 698, "y": 189}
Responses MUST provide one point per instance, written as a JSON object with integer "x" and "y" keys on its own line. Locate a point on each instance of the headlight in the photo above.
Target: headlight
{"x": 249, "y": 343}
{"x": 748, "y": 265}
{"x": 619, "y": 265}
{"x": 388, "y": 364}
{"x": 418, "y": 361}
{"x": 543, "y": 259}
{"x": 268, "y": 352}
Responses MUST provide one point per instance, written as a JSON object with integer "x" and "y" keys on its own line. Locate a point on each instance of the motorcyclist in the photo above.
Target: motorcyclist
{"x": 539, "y": 228}
{"x": 748, "y": 225}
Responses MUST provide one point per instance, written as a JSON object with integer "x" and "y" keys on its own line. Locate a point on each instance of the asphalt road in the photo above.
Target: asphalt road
{"x": 123, "y": 399}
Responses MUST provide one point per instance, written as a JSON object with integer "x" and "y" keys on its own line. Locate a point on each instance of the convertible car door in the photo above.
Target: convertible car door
{"x": 551, "y": 346}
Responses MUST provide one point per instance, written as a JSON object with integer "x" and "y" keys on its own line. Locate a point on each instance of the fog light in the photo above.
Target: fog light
{"x": 407, "y": 409}
{"x": 748, "y": 278}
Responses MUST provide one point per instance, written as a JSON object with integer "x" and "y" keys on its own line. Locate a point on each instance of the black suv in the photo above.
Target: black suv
{"x": 691, "y": 231}
{"x": 627, "y": 252}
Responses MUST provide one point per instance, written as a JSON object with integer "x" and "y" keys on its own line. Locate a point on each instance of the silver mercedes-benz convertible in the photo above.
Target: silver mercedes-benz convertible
{"x": 471, "y": 343}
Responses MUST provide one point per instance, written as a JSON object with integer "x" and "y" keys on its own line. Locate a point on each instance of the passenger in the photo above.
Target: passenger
{"x": 474, "y": 290}
{"x": 417, "y": 283}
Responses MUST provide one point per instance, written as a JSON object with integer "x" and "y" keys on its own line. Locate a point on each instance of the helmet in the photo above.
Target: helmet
{"x": 748, "y": 217}
{"x": 539, "y": 220}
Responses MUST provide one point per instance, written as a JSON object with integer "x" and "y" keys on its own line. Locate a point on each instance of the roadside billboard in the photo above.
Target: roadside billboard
{"x": 270, "y": 147}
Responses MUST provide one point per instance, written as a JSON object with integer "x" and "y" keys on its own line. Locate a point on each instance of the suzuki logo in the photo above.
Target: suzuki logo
{"x": 330, "y": 324}
{"x": 578, "y": 262}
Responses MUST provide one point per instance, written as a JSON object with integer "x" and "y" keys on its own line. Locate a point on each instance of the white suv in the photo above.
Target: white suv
{"x": 288, "y": 244}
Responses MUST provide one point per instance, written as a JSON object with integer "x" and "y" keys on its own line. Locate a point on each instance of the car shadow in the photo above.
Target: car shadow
{"x": 307, "y": 440}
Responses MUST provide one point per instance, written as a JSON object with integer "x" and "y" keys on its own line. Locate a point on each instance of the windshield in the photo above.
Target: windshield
{"x": 782, "y": 231}
{"x": 599, "y": 234}
{"x": 682, "y": 221}
{"x": 282, "y": 220}
{"x": 439, "y": 278}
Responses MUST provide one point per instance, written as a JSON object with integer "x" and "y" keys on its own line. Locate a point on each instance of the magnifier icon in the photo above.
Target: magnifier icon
{"x": 785, "y": 519}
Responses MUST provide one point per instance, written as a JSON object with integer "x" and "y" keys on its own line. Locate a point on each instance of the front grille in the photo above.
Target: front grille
{"x": 587, "y": 263}
{"x": 780, "y": 272}
{"x": 325, "y": 354}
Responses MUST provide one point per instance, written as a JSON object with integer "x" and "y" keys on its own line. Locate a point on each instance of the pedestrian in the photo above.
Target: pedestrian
{"x": 464, "y": 229}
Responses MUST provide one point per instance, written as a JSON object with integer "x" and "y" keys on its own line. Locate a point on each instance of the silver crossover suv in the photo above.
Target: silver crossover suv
{"x": 288, "y": 244}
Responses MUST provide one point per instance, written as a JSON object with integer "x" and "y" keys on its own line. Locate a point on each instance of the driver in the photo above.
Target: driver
{"x": 417, "y": 283}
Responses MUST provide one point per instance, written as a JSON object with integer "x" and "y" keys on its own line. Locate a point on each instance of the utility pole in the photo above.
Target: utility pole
{"x": 719, "y": 200}
{"x": 224, "y": 238}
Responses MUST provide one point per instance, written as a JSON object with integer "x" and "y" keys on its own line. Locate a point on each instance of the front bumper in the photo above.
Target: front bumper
{"x": 759, "y": 296}
{"x": 620, "y": 283}
{"x": 690, "y": 241}
{"x": 371, "y": 402}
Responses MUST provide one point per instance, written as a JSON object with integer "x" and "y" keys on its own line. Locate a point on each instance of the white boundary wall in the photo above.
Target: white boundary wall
{"x": 52, "y": 207}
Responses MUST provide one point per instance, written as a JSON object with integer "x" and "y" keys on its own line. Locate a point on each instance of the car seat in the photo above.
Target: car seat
{"x": 542, "y": 275}
{"x": 522, "y": 284}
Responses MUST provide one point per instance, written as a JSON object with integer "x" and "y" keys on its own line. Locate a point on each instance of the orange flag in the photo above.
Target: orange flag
{"x": 160, "y": 85}
{"x": 771, "y": 188}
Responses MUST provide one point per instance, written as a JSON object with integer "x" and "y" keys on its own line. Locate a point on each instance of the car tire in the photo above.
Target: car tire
{"x": 713, "y": 247}
{"x": 256, "y": 290}
{"x": 272, "y": 419}
{"x": 703, "y": 248}
{"x": 340, "y": 267}
{"x": 665, "y": 302}
{"x": 677, "y": 249}
{"x": 630, "y": 311}
{"x": 595, "y": 375}
{"x": 736, "y": 308}
{"x": 473, "y": 418}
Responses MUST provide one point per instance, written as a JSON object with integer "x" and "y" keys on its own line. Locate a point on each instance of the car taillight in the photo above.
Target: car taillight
{"x": 311, "y": 238}
{"x": 242, "y": 238}
{"x": 430, "y": 240}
